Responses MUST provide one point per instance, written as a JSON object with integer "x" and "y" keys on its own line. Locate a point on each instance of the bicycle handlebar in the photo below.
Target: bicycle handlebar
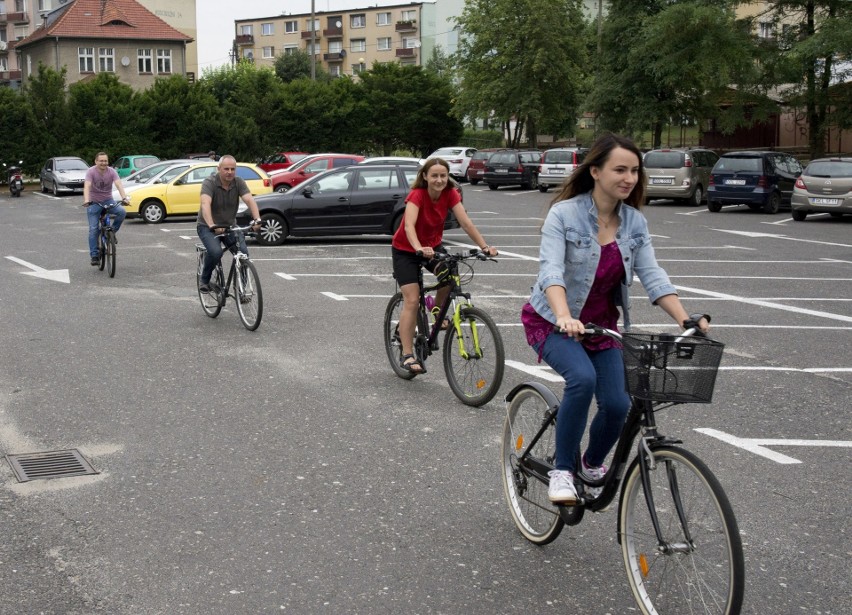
{"x": 691, "y": 328}
{"x": 460, "y": 256}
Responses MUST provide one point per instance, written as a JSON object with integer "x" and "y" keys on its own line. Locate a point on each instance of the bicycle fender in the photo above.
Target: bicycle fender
{"x": 546, "y": 393}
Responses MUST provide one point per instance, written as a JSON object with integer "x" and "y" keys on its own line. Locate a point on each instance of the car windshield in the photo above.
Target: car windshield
{"x": 141, "y": 163}
{"x": 735, "y": 164}
{"x": 559, "y": 157}
{"x": 450, "y": 151}
{"x": 664, "y": 160}
{"x": 149, "y": 172}
{"x": 71, "y": 165}
{"x": 480, "y": 155}
{"x": 829, "y": 168}
{"x": 504, "y": 158}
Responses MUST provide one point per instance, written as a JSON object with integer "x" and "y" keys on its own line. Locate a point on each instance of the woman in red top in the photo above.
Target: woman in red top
{"x": 432, "y": 196}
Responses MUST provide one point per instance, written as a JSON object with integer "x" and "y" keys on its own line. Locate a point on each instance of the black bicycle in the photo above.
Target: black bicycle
{"x": 473, "y": 349}
{"x": 243, "y": 284}
{"x": 678, "y": 534}
{"x": 106, "y": 238}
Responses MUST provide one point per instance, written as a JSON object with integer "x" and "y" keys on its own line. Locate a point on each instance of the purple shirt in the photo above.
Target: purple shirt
{"x": 100, "y": 188}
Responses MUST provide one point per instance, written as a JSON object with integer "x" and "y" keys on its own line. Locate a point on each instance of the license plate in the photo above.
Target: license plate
{"x": 735, "y": 182}
{"x": 818, "y": 201}
{"x": 556, "y": 170}
{"x": 662, "y": 180}
{"x": 501, "y": 170}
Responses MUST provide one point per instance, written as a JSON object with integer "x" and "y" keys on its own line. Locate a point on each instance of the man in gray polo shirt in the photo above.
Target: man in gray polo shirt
{"x": 220, "y": 198}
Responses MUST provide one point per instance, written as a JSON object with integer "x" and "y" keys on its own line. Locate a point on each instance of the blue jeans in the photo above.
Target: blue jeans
{"x": 587, "y": 374}
{"x": 214, "y": 249}
{"x": 93, "y": 213}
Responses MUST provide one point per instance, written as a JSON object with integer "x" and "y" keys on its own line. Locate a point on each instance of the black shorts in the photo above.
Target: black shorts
{"x": 406, "y": 265}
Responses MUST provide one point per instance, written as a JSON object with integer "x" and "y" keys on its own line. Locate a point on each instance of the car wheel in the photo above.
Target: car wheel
{"x": 43, "y": 187}
{"x": 533, "y": 183}
{"x": 835, "y": 214}
{"x": 773, "y": 203}
{"x": 697, "y": 196}
{"x": 273, "y": 230}
{"x": 55, "y": 190}
{"x": 543, "y": 187}
{"x": 492, "y": 186}
{"x": 282, "y": 188}
{"x": 473, "y": 182}
{"x": 799, "y": 215}
{"x": 714, "y": 206}
{"x": 152, "y": 212}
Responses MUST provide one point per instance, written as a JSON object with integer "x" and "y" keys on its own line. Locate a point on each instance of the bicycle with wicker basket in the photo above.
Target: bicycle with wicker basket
{"x": 679, "y": 538}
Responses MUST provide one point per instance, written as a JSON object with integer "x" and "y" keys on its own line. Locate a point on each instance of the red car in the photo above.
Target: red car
{"x": 476, "y": 167}
{"x": 309, "y": 166}
{"x": 281, "y": 160}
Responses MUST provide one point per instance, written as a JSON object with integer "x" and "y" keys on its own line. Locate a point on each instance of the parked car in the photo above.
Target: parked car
{"x": 359, "y": 199}
{"x": 144, "y": 175}
{"x": 824, "y": 186}
{"x": 181, "y": 195}
{"x": 512, "y": 167}
{"x": 157, "y": 173}
{"x": 760, "y": 179}
{"x": 392, "y": 160}
{"x": 557, "y": 164}
{"x": 476, "y": 166}
{"x": 309, "y": 166}
{"x": 281, "y": 160}
{"x": 63, "y": 174}
{"x": 126, "y": 165}
{"x": 679, "y": 174}
{"x": 458, "y": 158}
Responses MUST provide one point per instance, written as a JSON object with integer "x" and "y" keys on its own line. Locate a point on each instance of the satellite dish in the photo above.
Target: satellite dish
{"x": 338, "y": 23}
{"x": 125, "y": 61}
{"x": 416, "y": 44}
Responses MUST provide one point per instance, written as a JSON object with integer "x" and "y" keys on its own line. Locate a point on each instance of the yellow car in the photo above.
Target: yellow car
{"x": 181, "y": 195}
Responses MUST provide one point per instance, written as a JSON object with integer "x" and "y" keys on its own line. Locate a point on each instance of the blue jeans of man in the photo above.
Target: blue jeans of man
{"x": 93, "y": 213}
{"x": 214, "y": 249}
{"x": 587, "y": 374}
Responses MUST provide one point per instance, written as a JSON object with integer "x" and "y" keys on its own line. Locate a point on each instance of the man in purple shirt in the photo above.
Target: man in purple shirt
{"x": 97, "y": 198}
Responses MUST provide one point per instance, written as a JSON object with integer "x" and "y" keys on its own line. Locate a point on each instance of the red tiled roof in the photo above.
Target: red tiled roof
{"x": 104, "y": 19}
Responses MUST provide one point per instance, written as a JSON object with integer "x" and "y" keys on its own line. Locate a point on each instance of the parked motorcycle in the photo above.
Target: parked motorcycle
{"x": 16, "y": 179}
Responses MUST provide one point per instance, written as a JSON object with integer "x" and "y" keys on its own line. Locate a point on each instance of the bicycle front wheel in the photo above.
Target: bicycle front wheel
{"x": 526, "y": 493}
{"x": 474, "y": 357}
{"x": 102, "y": 250}
{"x": 109, "y": 239}
{"x": 699, "y": 567}
{"x": 250, "y": 296}
{"x": 210, "y": 301}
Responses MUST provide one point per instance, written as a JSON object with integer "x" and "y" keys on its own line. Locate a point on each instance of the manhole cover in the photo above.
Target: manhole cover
{"x": 52, "y": 464}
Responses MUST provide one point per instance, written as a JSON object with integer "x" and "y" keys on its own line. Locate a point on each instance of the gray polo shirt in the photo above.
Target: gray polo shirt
{"x": 224, "y": 202}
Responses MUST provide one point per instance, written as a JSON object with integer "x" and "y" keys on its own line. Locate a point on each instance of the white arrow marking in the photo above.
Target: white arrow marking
{"x": 285, "y": 276}
{"x": 539, "y": 371}
{"x": 57, "y": 275}
{"x": 774, "y": 236}
{"x": 758, "y": 445}
{"x": 335, "y": 296}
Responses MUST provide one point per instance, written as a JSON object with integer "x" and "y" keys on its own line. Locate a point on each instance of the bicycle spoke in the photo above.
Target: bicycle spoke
{"x": 474, "y": 357}
{"x": 248, "y": 294}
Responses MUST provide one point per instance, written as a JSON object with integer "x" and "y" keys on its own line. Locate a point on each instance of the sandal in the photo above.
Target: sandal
{"x": 407, "y": 364}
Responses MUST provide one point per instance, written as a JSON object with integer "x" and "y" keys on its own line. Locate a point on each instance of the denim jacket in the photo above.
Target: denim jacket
{"x": 570, "y": 254}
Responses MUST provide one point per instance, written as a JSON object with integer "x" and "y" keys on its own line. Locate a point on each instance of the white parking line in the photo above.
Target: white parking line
{"x": 758, "y": 445}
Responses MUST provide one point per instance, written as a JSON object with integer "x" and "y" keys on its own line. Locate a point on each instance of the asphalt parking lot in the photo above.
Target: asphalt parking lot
{"x": 289, "y": 470}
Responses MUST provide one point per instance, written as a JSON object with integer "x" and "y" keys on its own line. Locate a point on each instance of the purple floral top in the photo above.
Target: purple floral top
{"x": 599, "y": 309}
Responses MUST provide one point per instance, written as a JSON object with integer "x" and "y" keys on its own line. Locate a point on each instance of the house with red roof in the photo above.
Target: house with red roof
{"x": 104, "y": 36}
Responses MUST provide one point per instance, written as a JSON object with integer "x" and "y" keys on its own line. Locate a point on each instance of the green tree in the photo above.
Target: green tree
{"x": 297, "y": 65}
{"x": 45, "y": 93}
{"x": 813, "y": 49}
{"x": 316, "y": 116}
{"x": 522, "y": 60}
{"x": 18, "y": 131}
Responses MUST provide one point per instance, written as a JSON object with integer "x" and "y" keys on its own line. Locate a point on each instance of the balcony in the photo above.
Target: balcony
{"x": 334, "y": 57}
{"x": 10, "y": 75}
{"x": 244, "y": 39}
{"x": 408, "y": 52}
{"x": 18, "y": 18}
{"x": 406, "y": 26}
{"x": 306, "y": 35}
{"x": 333, "y": 32}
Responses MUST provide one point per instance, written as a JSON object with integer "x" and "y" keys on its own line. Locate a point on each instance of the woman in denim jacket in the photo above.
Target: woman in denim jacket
{"x": 593, "y": 241}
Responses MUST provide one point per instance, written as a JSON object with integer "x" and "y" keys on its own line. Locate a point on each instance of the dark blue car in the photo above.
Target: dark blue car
{"x": 762, "y": 180}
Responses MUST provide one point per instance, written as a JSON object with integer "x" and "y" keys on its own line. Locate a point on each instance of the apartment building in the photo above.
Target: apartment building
{"x": 21, "y": 18}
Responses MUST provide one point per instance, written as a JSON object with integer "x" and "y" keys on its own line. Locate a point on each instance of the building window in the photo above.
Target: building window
{"x": 383, "y": 19}
{"x": 290, "y": 49}
{"x": 334, "y": 70}
{"x": 248, "y": 54}
{"x": 245, "y": 30}
{"x": 384, "y": 43}
{"x": 21, "y": 32}
{"x": 164, "y": 61}
{"x": 145, "y": 61}
{"x": 44, "y": 5}
{"x": 409, "y": 42}
{"x": 359, "y": 68}
{"x": 291, "y": 27}
{"x": 765, "y": 29}
{"x": 316, "y": 25}
{"x": 106, "y": 59}
{"x": 87, "y": 59}
{"x": 409, "y": 16}
{"x": 267, "y": 29}
{"x": 335, "y": 46}
{"x": 358, "y": 21}
{"x": 268, "y": 52}
{"x": 358, "y": 45}
{"x": 313, "y": 49}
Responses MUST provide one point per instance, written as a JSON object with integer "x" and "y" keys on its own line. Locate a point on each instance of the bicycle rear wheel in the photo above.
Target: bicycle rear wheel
{"x": 700, "y": 568}
{"x": 109, "y": 239}
{"x": 210, "y": 301}
{"x": 536, "y": 517}
{"x": 474, "y": 357}
{"x": 250, "y": 297}
{"x": 101, "y": 250}
{"x": 393, "y": 345}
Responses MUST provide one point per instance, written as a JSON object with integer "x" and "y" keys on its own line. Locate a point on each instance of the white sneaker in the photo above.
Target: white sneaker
{"x": 590, "y": 473}
{"x": 561, "y": 489}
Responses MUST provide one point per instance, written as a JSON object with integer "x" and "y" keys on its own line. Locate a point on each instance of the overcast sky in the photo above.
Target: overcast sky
{"x": 215, "y": 19}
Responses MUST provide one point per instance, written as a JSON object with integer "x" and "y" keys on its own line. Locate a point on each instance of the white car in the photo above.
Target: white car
{"x": 159, "y": 172}
{"x": 458, "y": 158}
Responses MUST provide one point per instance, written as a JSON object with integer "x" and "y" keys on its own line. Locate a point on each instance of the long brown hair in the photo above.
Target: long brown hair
{"x": 581, "y": 179}
{"x": 420, "y": 180}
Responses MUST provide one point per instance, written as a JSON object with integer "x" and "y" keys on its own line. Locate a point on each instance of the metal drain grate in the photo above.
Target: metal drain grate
{"x": 52, "y": 464}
